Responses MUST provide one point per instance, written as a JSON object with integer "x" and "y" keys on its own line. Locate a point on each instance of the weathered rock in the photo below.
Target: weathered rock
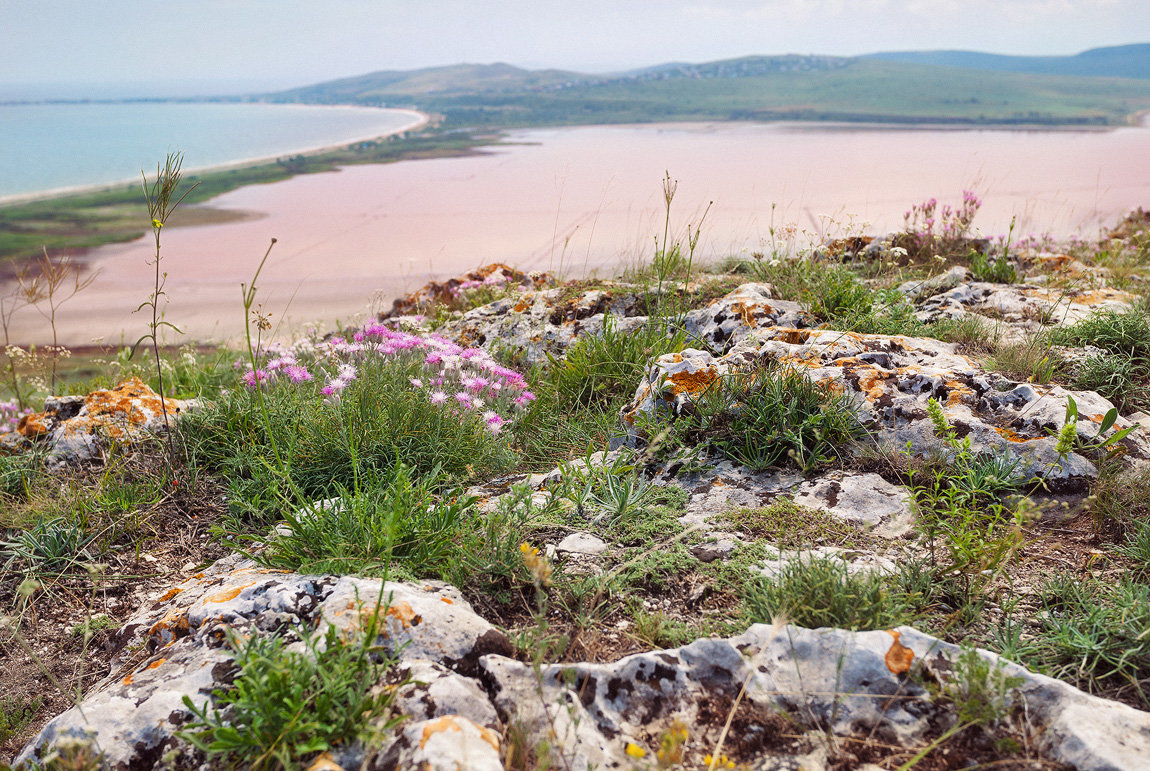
{"x": 175, "y": 648}
{"x": 447, "y": 743}
{"x": 792, "y": 683}
{"x": 81, "y": 428}
{"x": 1021, "y": 303}
{"x": 891, "y": 379}
{"x": 730, "y": 319}
{"x": 583, "y": 544}
{"x": 447, "y": 291}
{"x": 548, "y": 321}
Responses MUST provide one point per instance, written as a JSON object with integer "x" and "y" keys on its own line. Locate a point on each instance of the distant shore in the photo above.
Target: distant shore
{"x": 418, "y": 120}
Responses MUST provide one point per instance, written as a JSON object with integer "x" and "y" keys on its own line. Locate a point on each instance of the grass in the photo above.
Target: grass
{"x": 1121, "y": 373}
{"x": 814, "y": 593}
{"x": 770, "y": 417}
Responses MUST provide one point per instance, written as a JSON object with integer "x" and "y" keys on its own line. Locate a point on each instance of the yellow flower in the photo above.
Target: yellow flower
{"x": 635, "y": 751}
{"x": 157, "y": 224}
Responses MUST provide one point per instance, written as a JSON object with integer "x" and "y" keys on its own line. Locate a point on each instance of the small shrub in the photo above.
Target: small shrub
{"x": 981, "y": 692}
{"x": 836, "y": 293}
{"x": 996, "y": 271}
{"x": 395, "y": 523}
{"x": 287, "y": 706}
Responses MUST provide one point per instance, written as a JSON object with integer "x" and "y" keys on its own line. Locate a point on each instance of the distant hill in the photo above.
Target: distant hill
{"x": 763, "y": 88}
{"x": 1130, "y": 61}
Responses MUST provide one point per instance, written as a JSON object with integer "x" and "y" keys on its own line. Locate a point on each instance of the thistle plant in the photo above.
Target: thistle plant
{"x": 162, "y": 197}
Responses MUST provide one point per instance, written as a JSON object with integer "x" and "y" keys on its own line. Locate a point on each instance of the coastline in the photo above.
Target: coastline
{"x": 419, "y": 120}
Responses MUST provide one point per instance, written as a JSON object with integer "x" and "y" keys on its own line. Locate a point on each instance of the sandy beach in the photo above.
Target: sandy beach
{"x": 582, "y": 199}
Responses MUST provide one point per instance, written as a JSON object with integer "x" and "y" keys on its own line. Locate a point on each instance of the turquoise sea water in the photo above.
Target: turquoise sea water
{"x": 52, "y": 146}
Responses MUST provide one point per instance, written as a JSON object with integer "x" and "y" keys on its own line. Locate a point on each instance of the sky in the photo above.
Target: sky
{"x": 102, "y": 48}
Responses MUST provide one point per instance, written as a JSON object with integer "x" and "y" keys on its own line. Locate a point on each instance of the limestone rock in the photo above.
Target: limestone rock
{"x": 890, "y": 379}
{"x": 82, "y": 428}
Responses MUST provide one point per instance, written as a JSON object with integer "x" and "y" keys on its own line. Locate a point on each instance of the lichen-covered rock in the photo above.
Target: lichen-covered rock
{"x": 493, "y": 276}
{"x": 548, "y": 321}
{"x": 791, "y": 685}
{"x": 176, "y": 648}
{"x": 81, "y": 428}
{"x": 446, "y": 743}
{"x": 1015, "y": 303}
{"x": 731, "y": 318}
{"x": 891, "y": 378}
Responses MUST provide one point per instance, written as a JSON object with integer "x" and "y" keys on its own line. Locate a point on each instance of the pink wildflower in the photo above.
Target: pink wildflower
{"x": 437, "y": 397}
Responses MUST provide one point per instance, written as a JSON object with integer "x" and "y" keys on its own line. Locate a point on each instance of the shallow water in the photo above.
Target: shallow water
{"x": 579, "y": 198}
{"x": 51, "y": 146}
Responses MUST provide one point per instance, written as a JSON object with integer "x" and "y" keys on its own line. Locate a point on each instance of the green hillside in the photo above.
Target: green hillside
{"x": 751, "y": 88}
{"x": 1130, "y": 61}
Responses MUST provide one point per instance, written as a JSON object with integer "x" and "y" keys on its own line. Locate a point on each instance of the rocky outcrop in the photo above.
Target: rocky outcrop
{"x": 890, "y": 379}
{"x": 772, "y": 697}
{"x": 81, "y": 428}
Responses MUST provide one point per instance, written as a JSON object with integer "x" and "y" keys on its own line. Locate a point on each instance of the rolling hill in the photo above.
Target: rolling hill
{"x": 790, "y": 87}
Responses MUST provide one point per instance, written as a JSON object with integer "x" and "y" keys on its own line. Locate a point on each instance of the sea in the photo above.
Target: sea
{"x": 61, "y": 146}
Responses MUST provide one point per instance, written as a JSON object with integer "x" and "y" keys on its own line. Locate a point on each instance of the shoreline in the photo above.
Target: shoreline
{"x": 419, "y": 120}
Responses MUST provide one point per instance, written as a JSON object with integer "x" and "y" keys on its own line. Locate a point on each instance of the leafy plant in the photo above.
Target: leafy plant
{"x": 162, "y": 200}
{"x": 52, "y": 545}
{"x": 285, "y": 706}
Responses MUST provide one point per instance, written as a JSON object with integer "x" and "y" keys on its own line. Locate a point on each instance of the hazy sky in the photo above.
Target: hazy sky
{"x": 161, "y": 46}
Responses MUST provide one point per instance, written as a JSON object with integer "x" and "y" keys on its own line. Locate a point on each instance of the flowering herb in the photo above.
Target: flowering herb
{"x": 454, "y": 377}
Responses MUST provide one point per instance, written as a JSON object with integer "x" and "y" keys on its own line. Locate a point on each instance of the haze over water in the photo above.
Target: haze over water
{"x": 577, "y": 199}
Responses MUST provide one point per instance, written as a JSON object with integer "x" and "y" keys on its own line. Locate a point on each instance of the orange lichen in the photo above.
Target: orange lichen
{"x": 450, "y": 723}
{"x": 448, "y": 600}
{"x": 228, "y": 594}
{"x": 899, "y": 657}
{"x": 957, "y": 392}
{"x": 402, "y": 612}
{"x": 155, "y": 663}
{"x": 871, "y": 382}
{"x": 793, "y": 336}
{"x": 173, "y": 622}
{"x": 128, "y": 680}
{"x": 521, "y": 306}
{"x": 1010, "y": 436}
{"x": 170, "y": 594}
{"x": 692, "y": 382}
{"x": 32, "y": 425}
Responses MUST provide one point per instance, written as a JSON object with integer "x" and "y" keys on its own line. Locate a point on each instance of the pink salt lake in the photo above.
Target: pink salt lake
{"x": 578, "y": 200}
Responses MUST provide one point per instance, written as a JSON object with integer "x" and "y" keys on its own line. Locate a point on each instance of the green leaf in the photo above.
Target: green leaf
{"x": 1108, "y": 420}
{"x": 1071, "y": 409}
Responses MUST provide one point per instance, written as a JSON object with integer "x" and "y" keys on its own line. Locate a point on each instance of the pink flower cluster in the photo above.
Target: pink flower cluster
{"x": 494, "y": 280}
{"x": 10, "y": 414}
{"x": 452, "y": 377}
{"x": 953, "y": 223}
